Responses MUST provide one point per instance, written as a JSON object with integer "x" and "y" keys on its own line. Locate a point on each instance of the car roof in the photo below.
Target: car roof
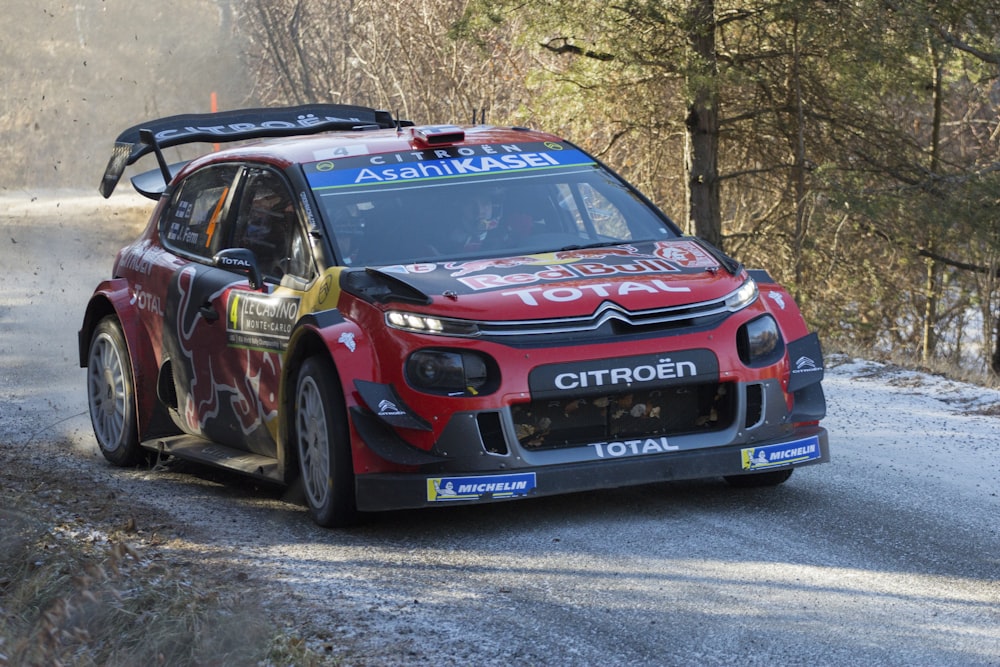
{"x": 287, "y": 151}
{"x": 284, "y": 136}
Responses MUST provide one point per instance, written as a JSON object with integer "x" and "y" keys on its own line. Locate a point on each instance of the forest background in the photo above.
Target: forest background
{"x": 849, "y": 147}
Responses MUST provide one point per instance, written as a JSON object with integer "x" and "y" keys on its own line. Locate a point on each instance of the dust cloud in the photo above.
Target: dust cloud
{"x": 75, "y": 74}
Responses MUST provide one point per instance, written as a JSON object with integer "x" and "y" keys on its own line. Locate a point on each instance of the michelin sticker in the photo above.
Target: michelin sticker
{"x": 773, "y": 456}
{"x": 442, "y": 489}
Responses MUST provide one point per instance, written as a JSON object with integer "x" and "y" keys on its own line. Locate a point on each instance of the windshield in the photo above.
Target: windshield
{"x": 454, "y": 208}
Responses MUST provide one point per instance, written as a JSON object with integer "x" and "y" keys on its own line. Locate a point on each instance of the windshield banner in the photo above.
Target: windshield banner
{"x": 442, "y": 163}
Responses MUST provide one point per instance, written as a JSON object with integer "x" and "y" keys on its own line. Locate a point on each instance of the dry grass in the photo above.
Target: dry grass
{"x": 71, "y": 594}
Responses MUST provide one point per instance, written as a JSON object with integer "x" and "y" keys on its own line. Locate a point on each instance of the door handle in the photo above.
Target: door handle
{"x": 208, "y": 312}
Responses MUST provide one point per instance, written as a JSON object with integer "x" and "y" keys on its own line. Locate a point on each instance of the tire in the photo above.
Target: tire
{"x": 758, "y": 479}
{"x": 111, "y": 395}
{"x": 323, "y": 446}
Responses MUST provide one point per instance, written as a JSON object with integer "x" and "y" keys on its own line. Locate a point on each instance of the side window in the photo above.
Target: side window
{"x": 267, "y": 224}
{"x": 192, "y": 219}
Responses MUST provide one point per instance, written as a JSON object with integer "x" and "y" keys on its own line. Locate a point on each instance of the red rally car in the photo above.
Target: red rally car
{"x": 410, "y": 316}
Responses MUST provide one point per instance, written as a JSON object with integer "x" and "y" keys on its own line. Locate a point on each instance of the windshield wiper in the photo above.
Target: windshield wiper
{"x": 587, "y": 246}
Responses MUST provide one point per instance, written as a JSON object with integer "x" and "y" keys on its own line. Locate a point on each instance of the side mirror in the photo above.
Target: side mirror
{"x": 241, "y": 261}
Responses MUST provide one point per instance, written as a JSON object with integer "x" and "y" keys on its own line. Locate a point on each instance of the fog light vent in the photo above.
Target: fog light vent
{"x": 491, "y": 432}
{"x": 755, "y": 405}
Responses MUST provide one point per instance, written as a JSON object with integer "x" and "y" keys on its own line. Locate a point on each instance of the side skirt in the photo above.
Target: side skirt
{"x": 200, "y": 450}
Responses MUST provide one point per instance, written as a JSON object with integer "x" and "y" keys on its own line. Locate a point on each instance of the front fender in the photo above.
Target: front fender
{"x": 781, "y": 305}
{"x": 344, "y": 341}
{"x": 353, "y": 356}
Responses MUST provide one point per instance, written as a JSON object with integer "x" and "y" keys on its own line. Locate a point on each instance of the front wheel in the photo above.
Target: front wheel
{"x": 757, "y": 479}
{"x": 323, "y": 445}
{"x": 111, "y": 394}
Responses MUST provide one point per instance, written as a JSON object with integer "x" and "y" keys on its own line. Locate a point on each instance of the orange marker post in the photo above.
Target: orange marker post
{"x": 214, "y": 103}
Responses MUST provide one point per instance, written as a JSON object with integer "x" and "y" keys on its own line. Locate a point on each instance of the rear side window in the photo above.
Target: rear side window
{"x": 192, "y": 220}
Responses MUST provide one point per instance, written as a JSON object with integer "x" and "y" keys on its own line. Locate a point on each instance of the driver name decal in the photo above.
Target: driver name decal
{"x": 260, "y": 322}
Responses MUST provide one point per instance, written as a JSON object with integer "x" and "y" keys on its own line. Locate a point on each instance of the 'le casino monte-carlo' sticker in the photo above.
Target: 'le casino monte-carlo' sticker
{"x": 260, "y": 321}
{"x": 773, "y": 456}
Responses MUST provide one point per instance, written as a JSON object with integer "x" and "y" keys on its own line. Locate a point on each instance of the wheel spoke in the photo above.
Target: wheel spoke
{"x": 313, "y": 440}
{"x": 111, "y": 394}
{"x": 107, "y": 392}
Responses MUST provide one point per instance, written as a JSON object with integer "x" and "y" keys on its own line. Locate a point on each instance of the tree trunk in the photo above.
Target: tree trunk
{"x": 995, "y": 361}
{"x": 701, "y": 161}
{"x": 799, "y": 164}
{"x": 928, "y": 342}
{"x": 929, "y": 335}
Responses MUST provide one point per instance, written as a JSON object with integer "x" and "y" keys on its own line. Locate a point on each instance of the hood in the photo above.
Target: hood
{"x": 569, "y": 283}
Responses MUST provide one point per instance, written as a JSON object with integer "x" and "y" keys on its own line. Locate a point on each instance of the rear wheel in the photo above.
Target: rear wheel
{"x": 323, "y": 445}
{"x": 757, "y": 479}
{"x": 111, "y": 394}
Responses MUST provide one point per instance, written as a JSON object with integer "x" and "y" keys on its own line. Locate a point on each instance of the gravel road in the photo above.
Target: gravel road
{"x": 889, "y": 555}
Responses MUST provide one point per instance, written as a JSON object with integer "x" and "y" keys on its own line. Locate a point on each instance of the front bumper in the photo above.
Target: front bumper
{"x": 805, "y": 445}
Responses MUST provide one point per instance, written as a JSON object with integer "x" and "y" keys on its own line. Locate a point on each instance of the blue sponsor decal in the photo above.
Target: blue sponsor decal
{"x": 441, "y": 489}
{"x": 783, "y": 454}
{"x": 445, "y": 163}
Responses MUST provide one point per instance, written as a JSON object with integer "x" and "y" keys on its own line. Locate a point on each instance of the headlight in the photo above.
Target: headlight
{"x": 759, "y": 342}
{"x": 398, "y": 319}
{"x": 743, "y": 297}
{"x": 452, "y": 372}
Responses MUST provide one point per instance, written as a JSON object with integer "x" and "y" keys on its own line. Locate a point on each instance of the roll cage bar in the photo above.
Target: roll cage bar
{"x": 236, "y": 125}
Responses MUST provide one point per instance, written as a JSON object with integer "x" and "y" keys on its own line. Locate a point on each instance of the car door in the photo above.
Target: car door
{"x": 229, "y": 337}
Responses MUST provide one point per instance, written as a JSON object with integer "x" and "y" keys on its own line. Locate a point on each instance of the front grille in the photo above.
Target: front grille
{"x": 670, "y": 411}
{"x": 617, "y": 319}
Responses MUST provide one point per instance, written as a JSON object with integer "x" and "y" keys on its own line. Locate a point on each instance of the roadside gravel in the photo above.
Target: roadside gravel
{"x": 886, "y": 556}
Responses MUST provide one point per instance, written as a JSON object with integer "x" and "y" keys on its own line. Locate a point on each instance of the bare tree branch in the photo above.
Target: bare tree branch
{"x": 562, "y": 46}
{"x": 986, "y": 56}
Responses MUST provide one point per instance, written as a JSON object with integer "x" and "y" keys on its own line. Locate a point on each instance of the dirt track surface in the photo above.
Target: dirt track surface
{"x": 889, "y": 555}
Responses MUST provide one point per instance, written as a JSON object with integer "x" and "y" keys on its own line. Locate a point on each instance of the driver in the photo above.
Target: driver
{"x": 475, "y": 220}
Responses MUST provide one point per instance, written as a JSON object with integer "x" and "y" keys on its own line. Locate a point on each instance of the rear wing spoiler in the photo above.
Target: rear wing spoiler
{"x": 238, "y": 125}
